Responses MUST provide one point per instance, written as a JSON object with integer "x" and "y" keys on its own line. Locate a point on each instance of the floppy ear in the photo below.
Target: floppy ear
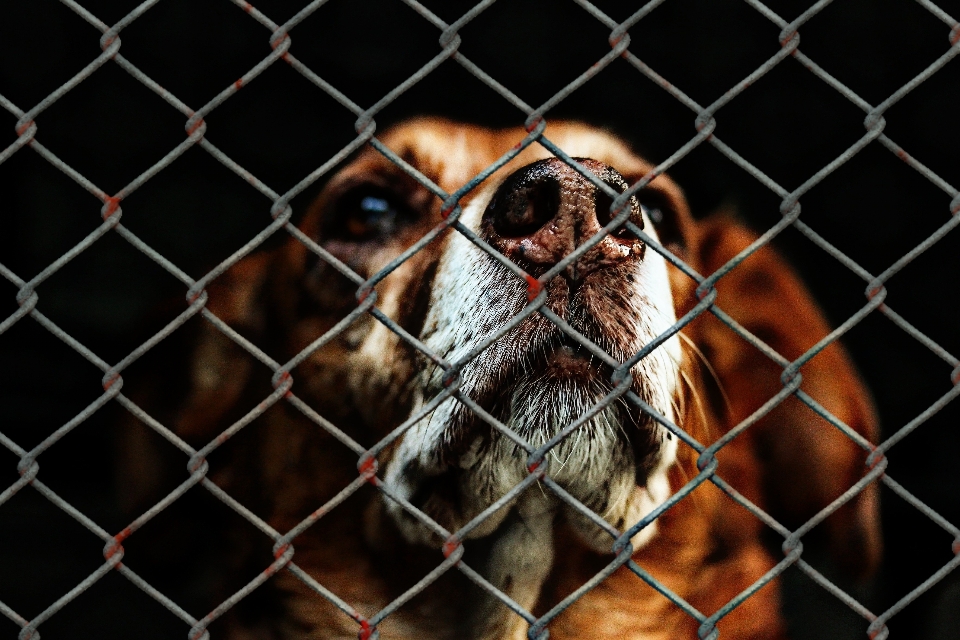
{"x": 192, "y": 381}
{"x": 218, "y": 369}
{"x": 792, "y": 462}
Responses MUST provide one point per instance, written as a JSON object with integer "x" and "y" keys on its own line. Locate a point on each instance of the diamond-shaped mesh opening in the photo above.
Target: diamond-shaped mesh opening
{"x": 256, "y": 129}
{"x": 704, "y": 47}
{"x": 828, "y": 279}
{"x": 113, "y": 607}
{"x": 69, "y": 48}
{"x": 212, "y": 225}
{"x": 379, "y": 44}
{"x": 519, "y": 46}
{"x": 838, "y": 214}
{"x": 915, "y": 565}
{"x": 55, "y": 215}
{"x": 198, "y": 551}
{"x": 806, "y": 111}
{"x": 926, "y": 485}
{"x": 43, "y": 402}
{"x": 809, "y": 608}
{"x": 317, "y": 460}
{"x": 463, "y": 97}
{"x": 93, "y": 122}
{"x": 80, "y": 469}
{"x": 869, "y": 59}
{"x": 38, "y": 529}
{"x": 219, "y": 40}
{"x": 926, "y": 377}
{"x": 109, "y": 285}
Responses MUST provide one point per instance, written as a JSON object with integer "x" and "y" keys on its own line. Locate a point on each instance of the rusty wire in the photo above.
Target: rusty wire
{"x": 449, "y": 40}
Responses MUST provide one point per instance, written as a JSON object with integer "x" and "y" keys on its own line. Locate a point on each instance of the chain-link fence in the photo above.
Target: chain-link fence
{"x": 36, "y": 366}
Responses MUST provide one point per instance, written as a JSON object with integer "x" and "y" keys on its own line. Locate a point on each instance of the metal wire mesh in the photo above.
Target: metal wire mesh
{"x": 280, "y": 39}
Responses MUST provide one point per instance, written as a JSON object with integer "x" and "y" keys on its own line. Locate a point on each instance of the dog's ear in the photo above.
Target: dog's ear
{"x": 792, "y": 461}
{"x": 219, "y": 369}
{"x": 190, "y": 383}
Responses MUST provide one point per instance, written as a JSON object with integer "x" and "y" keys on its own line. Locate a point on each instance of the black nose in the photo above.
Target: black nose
{"x": 545, "y": 210}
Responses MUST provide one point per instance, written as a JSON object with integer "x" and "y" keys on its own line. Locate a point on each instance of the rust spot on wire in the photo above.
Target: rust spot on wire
{"x": 368, "y": 467}
{"x": 451, "y": 545}
{"x": 111, "y": 205}
{"x": 282, "y": 379}
{"x": 533, "y": 287}
{"x": 873, "y": 633}
{"x": 112, "y": 549}
{"x": 365, "y": 630}
{"x": 109, "y": 382}
{"x": 534, "y": 466}
{"x": 278, "y": 41}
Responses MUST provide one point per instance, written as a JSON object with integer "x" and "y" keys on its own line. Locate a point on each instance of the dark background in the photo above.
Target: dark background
{"x": 196, "y": 212}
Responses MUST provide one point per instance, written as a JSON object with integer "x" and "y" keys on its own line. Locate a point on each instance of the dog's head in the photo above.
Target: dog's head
{"x": 464, "y": 305}
{"x": 454, "y": 316}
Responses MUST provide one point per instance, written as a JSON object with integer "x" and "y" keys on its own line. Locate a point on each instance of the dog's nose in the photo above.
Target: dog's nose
{"x": 542, "y": 212}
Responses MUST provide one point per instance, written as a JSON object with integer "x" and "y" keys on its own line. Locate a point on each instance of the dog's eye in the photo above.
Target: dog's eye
{"x": 373, "y": 216}
{"x": 367, "y": 215}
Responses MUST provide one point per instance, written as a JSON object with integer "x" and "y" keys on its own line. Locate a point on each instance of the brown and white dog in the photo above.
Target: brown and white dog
{"x": 621, "y": 463}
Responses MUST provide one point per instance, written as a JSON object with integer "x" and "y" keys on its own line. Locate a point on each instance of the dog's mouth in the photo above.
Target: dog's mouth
{"x": 548, "y": 383}
{"x": 555, "y": 355}
{"x": 571, "y": 360}
{"x": 559, "y": 381}
{"x": 556, "y": 395}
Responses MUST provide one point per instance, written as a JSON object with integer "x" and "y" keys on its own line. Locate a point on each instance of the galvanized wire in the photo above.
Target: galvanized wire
{"x": 705, "y": 124}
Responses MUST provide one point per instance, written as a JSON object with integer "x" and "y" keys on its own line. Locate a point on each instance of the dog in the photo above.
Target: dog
{"x": 480, "y": 374}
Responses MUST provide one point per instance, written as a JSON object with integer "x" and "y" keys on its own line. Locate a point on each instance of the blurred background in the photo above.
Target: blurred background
{"x": 281, "y": 127}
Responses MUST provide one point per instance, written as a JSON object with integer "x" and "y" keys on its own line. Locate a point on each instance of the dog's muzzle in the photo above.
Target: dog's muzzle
{"x": 536, "y": 379}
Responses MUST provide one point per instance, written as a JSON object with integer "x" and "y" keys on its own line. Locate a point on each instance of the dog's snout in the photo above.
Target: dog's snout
{"x": 542, "y": 212}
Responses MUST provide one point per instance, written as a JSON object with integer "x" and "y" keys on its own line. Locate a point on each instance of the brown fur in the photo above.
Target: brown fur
{"x": 707, "y": 548}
